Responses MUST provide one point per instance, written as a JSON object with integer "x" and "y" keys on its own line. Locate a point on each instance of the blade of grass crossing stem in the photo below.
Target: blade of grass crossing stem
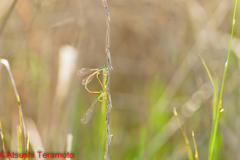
{"x": 195, "y": 146}
{"x": 215, "y": 92}
{"x": 19, "y": 133}
{"x": 214, "y": 100}
{"x": 4, "y": 150}
{"x": 102, "y": 120}
{"x": 213, "y": 137}
{"x": 27, "y": 146}
{"x": 190, "y": 155}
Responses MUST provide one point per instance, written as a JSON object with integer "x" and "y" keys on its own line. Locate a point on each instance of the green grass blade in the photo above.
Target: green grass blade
{"x": 27, "y": 145}
{"x": 3, "y": 139}
{"x": 19, "y": 108}
{"x": 215, "y": 123}
{"x": 19, "y": 129}
{"x": 195, "y": 146}
{"x": 22, "y": 124}
{"x": 214, "y": 99}
{"x": 19, "y": 134}
{"x": 102, "y": 120}
{"x": 190, "y": 155}
{"x": 215, "y": 91}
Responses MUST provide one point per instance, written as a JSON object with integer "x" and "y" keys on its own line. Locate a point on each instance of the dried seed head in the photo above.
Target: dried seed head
{"x": 174, "y": 111}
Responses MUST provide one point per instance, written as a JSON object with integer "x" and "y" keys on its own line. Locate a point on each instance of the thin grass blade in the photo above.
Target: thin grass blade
{"x": 215, "y": 91}
{"x": 4, "y": 150}
{"x": 6, "y": 64}
{"x": 190, "y": 155}
{"x": 215, "y": 124}
{"x": 195, "y": 146}
{"x": 19, "y": 133}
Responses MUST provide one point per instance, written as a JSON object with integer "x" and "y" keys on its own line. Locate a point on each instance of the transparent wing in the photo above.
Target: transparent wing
{"x": 88, "y": 115}
{"x": 87, "y": 79}
{"x": 85, "y": 71}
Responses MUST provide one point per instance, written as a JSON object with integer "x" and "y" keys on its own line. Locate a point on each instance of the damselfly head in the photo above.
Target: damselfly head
{"x": 101, "y": 68}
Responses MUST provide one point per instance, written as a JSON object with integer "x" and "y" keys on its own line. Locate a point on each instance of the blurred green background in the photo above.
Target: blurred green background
{"x": 154, "y": 47}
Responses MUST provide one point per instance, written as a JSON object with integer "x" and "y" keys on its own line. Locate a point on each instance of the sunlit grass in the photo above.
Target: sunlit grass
{"x": 217, "y": 105}
{"x": 4, "y": 150}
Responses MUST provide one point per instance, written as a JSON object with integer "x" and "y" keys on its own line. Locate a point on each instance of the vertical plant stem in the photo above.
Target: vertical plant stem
{"x": 195, "y": 146}
{"x": 215, "y": 123}
{"x": 109, "y": 68}
{"x": 102, "y": 128}
{"x": 19, "y": 108}
{"x": 4, "y": 150}
{"x": 19, "y": 133}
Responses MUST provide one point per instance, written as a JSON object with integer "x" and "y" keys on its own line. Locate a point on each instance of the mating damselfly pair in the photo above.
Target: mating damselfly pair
{"x": 101, "y": 95}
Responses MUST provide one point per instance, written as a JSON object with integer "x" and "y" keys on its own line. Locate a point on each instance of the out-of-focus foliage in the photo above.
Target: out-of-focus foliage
{"x": 154, "y": 46}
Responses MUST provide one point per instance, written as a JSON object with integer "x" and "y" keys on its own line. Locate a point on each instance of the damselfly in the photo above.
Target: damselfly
{"x": 85, "y": 81}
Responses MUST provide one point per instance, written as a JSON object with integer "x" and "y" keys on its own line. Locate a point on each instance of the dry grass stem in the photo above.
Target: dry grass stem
{"x": 109, "y": 67}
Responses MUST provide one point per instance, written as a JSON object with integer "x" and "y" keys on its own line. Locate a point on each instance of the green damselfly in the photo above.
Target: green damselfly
{"x": 85, "y": 81}
{"x": 102, "y": 95}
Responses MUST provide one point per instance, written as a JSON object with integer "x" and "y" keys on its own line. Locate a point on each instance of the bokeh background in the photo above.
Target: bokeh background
{"x": 154, "y": 47}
